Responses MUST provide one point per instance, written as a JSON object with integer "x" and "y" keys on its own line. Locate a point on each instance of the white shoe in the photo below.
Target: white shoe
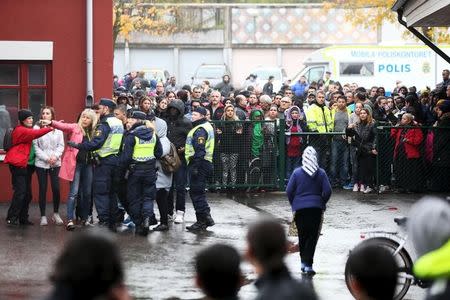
{"x": 57, "y": 219}
{"x": 362, "y": 188}
{"x": 179, "y": 218}
{"x": 44, "y": 221}
{"x": 356, "y": 188}
{"x": 368, "y": 190}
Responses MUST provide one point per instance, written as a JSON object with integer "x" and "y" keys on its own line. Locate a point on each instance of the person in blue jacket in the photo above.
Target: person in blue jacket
{"x": 106, "y": 146}
{"x": 141, "y": 148}
{"x": 308, "y": 192}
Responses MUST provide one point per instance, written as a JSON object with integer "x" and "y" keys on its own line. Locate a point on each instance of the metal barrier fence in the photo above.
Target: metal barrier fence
{"x": 245, "y": 155}
{"x": 244, "y": 158}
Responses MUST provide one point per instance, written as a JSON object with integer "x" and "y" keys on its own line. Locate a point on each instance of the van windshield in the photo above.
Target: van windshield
{"x": 210, "y": 72}
{"x": 356, "y": 68}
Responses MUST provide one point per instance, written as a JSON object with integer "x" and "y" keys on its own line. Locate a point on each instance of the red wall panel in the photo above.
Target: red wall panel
{"x": 64, "y": 23}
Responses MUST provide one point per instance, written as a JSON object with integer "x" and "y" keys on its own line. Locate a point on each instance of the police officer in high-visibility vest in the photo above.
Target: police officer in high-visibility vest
{"x": 319, "y": 119}
{"x": 141, "y": 148}
{"x": 105, "y": 144}
{"x": 199, "y": 154}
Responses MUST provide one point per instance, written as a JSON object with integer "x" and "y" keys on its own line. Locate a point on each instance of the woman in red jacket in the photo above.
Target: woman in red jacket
{"x": 407, "y": 162}
{"x": 21, "y": 158}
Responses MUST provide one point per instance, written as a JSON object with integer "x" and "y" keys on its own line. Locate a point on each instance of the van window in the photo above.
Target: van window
{"x": 315, "y": 74}
{"x": 356, "y": 69}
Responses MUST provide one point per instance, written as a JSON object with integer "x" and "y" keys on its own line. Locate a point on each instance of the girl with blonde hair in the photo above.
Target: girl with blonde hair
{"x": 77, "y": 165}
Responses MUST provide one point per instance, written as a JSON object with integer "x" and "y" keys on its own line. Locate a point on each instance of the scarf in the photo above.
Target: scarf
{"x": 309, "y": 161}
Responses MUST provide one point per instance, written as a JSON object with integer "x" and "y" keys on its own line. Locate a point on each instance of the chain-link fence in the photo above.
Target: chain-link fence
{"x": 413, "y": 159}
{"x": 245, "y": 154}
{"x": 260, "y": 154}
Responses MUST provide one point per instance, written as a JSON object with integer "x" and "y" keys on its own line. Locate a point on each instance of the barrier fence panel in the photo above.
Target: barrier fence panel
{"x": 413, "y": 159}
{"x": 258, "y": 154}
{"x": 245, "y": 155}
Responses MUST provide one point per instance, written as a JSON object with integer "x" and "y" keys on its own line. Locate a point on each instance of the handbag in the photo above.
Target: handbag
{"x": 171, "y": 162}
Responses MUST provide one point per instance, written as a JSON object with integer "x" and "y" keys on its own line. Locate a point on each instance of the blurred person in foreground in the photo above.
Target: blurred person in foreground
{"x": 373, "y": 273}
{"x": 89, "y": 267}
{"x": 308, "y": 192}
{"x": 218, "y": 272}
{"x": 266, "y": 249}
{"x": 429, "y": 229}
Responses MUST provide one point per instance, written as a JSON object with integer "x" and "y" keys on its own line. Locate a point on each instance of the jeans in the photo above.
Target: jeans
{"x": 291, "y": 164}
{"x": 21, "y": 182}
{"x": 339, "y": 161}
{"x": 43, "y": 175}
{"x": 83, "y": 177}
{"x": 178, "y": 185}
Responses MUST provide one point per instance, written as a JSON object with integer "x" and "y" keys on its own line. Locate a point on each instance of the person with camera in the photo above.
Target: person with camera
{"x": 77, "y": 165}
{"x": 106, "y": 145}
{"x": 141, "y": 148}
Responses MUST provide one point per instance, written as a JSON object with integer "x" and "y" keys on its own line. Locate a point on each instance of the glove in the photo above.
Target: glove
{"x": 73, "y": 144}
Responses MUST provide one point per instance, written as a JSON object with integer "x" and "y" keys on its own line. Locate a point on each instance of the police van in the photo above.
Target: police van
{"x": 376, "y": 65}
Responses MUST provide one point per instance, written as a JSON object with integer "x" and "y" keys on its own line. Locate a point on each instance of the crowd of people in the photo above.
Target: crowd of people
{"x": 98, "y": 272}
{"x": 346, "y": 116}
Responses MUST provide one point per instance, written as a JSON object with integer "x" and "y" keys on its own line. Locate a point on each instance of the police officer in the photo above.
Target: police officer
{"x": 105, "y": 144}
{"x": 141, "y": 148}
{"x": 199, "y": 155}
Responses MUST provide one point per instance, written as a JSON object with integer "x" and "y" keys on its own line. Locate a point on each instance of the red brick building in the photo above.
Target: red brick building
{"x": 43, "y": 55}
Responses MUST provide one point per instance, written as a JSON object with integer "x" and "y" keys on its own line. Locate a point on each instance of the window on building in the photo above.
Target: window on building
{"x": 22, "y": 85}
{"x": 356, "y": 69}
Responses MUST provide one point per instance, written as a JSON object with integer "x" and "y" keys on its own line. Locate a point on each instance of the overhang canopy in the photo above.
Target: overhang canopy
{"x": 429, "y": 13}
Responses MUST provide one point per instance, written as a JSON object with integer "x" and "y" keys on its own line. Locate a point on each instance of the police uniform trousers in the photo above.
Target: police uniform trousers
{"x": 141, "y": 192}
{"x": 199, "y": 171}
{"x": 105, "y": 197}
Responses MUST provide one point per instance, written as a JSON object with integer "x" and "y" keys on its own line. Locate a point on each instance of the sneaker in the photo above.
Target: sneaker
{"x": 90, "y": 219}
{"x": 86, "y": 223}
{"x": 70, "y": 225}
{"x": 368, "y": 190}
{"x": 383, "y": 188}
{"x": 57, "y": 219}
{"x": 179, "y": 218}
{"x": 12, "y": 222}
{"x": 303, "y": 266}
{"x": 362, "y": 188}
{"x": 44, "y": 221}
{"x": 356, "y": 188}
{"x": 349, "y": 186}
{"x": 127, "y": 221}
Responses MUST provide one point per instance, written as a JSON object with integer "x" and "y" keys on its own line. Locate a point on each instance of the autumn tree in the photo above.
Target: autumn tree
{"x": 372, "y": 14}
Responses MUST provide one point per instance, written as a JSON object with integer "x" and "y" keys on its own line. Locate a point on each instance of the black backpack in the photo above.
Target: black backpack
{"x": 7, "y": 140}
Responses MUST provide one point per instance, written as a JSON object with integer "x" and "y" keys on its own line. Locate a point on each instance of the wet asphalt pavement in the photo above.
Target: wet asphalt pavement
{"x": 160, "y": 266}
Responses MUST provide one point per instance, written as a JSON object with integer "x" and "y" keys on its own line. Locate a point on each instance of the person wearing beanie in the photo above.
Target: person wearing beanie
{"x": 141, "y": 148}
{"x": 440, "y": 174}
{"x": 308, "y": 192}
{"x": 431, "y": 240}
{"x": 105, "y": 145}
{"x": 199, "y": 157}
{"x": 21, "y": 158}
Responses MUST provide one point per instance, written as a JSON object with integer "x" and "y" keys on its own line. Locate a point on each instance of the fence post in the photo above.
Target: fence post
{"x": 281, "y": 155}
{"x": 377, "y": 158}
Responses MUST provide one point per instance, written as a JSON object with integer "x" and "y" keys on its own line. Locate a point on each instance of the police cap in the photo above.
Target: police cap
{"x": 107, "y": 102}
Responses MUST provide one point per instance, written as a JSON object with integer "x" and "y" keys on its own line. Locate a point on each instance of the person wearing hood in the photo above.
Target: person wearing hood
{"x": 295, "y": 122}
{"x": 141, "y": 148}
{"x": 163, "y": 179}
{"x": 429, "y": 229}
{"x": 308, "y": 192}
{"x": 178, "y": 127}
{"x": 225, "y": 87}
{"x": 199, "y": 157}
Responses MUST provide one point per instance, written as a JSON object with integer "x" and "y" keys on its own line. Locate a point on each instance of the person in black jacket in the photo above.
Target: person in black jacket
{"x": 178, "y": 127}
{"x": 266, "y": 249}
